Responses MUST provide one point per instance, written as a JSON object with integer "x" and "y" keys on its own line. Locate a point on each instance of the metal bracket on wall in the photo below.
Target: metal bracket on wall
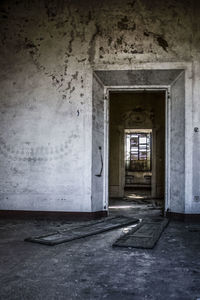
{"x": 101, "y": 157}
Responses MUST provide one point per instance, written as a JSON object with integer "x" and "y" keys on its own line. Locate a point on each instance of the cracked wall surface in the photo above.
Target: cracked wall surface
{"x": 48, "y": 52}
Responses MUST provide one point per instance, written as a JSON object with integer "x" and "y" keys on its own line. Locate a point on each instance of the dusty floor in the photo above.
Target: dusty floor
{"x": 90, "y": 268}
{"x": 136, "y": 203}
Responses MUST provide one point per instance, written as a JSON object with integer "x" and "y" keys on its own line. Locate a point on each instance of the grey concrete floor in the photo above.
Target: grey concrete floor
{"x": 90, "y": 268}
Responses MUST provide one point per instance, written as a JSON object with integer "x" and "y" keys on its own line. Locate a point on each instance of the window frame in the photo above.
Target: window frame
{"x": 129, "y": 161}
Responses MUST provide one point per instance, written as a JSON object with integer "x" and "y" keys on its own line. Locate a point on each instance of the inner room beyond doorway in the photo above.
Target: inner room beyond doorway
{"x": 137, "y": 152}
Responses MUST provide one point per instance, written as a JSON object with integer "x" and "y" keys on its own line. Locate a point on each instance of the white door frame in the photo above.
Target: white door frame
{"x": 134, "y": 88}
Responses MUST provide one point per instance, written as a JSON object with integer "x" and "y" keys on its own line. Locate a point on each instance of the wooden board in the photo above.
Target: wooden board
{"x": 67, "y": 235}
{"x": 145, "y": 235}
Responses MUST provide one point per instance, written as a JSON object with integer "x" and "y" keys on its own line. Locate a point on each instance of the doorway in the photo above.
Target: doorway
{"x": 137, "y": 152}
{"x": 169, "y": 79}
{"x": 138, "y": 162}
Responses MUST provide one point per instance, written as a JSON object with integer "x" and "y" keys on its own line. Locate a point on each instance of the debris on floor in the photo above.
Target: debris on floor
{"x": 92, "y": 228}
{"x": 144, "y": 235}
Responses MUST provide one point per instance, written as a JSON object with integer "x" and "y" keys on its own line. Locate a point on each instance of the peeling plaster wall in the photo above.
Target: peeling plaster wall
{"x": 45, "y": 107}
{"x": 48, "y": 52}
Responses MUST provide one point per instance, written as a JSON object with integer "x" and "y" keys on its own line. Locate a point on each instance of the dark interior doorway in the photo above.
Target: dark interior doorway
{"x": 136, "y": 152}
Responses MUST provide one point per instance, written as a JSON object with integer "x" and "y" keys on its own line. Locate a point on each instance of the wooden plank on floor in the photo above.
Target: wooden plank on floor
{"x": 93, "y": 228}
{"x": 145, "y": 235}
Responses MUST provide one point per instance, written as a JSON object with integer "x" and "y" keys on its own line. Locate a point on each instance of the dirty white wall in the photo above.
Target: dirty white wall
{"x": 48, "y": 51}
{"x": 97, "y": 145}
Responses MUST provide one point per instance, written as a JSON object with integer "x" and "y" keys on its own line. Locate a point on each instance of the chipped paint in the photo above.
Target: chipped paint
{"x": 48, "y": 52}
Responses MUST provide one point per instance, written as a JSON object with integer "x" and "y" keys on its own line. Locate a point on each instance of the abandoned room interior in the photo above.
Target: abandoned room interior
{"x": 100, "y": 149}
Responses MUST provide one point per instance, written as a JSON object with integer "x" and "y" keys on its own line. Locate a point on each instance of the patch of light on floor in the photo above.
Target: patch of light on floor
{"x": 135, "y": 196}
{"x": 127, "y": 229}
{"x": 121, "y": 206}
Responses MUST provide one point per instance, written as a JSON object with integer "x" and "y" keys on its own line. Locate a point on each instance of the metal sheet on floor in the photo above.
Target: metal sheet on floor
{"x": 93, "y": 228}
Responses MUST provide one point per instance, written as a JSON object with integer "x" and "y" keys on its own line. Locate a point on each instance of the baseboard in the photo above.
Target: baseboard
{"x": 183, "y": 217}
{"x": 52, "y": 215}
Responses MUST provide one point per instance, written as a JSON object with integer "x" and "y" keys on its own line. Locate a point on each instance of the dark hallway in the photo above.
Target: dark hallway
{"x": 137, "y": 153}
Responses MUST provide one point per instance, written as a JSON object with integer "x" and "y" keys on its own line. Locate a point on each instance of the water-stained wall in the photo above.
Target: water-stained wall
{"x": 48, "y": 52}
